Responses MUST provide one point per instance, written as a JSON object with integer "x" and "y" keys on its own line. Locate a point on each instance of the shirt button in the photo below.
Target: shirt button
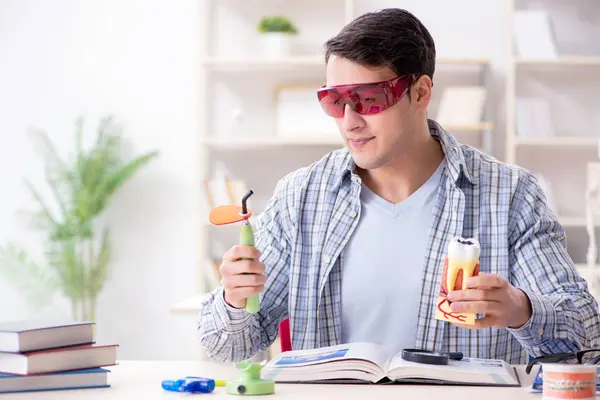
{"x": 540, "y": 332}
{"x": 327, "y": 259}
{"x": 353, "y": 214}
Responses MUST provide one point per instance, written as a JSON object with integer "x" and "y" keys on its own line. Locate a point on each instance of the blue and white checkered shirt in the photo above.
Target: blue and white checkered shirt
{"x": 313, "y": 213}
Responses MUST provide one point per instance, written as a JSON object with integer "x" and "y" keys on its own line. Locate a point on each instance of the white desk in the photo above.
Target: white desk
{"x": 142, "y": 380}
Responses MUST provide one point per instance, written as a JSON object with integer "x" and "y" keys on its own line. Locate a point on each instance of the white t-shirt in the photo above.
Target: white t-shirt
{"x": 382, "y": 267}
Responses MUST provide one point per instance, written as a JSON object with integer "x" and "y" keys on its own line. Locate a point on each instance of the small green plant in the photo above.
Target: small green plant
{"x": 75, "y": 246}
{"x": 277, "y": 24}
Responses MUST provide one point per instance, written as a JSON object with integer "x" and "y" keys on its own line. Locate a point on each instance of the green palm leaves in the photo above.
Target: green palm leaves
{"x": 76, "y": 247}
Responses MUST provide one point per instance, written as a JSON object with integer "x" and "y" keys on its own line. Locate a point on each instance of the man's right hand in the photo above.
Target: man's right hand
{"x": 242, "y": 278}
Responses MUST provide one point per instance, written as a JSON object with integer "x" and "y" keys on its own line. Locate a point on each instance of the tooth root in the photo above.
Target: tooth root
{"x": 454, "y": 266}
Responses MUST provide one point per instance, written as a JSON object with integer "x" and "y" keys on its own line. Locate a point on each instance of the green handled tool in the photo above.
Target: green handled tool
{"x": 231, "y": 214}
{"x": 250, "y": 381}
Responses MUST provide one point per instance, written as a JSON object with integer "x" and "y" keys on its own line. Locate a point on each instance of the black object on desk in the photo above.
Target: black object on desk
{"x": 430, "y": 357}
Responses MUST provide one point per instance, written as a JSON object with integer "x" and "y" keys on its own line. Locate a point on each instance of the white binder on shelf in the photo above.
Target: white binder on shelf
{"x": 533, "y": 118}
{"x": 461, "y": 105}
{"x": 299, "y": 113}
{"x": 533, "y": 35}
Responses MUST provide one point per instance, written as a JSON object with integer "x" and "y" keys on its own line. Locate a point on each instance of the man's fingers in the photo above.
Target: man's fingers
{"x": 241, "y": 251}
{"x": 248, "y": 267}
{"x": 480, "y": 323}
{"x": 486, "y": 281}
{"x": 488, "y": 307}
{"x": 230, "y": 268}
{"x": 245, "y": 292}
{"x": 239, "y": 281}
{"x": 475, "y": 295}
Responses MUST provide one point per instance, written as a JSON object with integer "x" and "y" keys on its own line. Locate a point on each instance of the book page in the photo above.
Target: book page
{"x": 362, "y": 361}
{"x": 360, "y": 351}
{"x": 468, "y": 370}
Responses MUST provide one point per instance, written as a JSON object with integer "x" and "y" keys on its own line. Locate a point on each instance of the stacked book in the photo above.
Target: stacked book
{"x": 37, "y": 356}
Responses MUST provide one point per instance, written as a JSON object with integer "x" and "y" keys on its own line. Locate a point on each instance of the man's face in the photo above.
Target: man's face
{"x": 377, "y": 140}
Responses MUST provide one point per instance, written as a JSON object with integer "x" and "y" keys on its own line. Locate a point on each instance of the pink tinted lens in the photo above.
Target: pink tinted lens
{"x": 331, "y": 102}
{"x": 365, "y": 99}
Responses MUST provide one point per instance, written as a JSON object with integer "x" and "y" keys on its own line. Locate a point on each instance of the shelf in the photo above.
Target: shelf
{"x": 268, "y": 141}
{"x": 254, "y": 64}
{"x": 483, "y": 126}
{"x": 462, "y": 61}
{"x": 591, "y": 275}
{"x": 572, "y": 221}
{"x": 562, "y": 61}
{"x": 584, "y": 267}
{"x": 558, "y": 141}
{"x": 326, "y": 139}
{"x": 189, "y": 306}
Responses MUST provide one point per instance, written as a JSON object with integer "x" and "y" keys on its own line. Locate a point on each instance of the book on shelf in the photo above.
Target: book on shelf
{"x": 534, "y": 118}
{"x": 59, "y": 359}
{"x": 370, "y": 363}
{"x": 298, "y": 114}
{"x": 461, "y": 105}
{"x": 222, "y": 189}
{"x": 79, "y": 379}
{"x": 27, "y": 335}
{"x": 534, "y": 35}
{"x": 38, "y": 355}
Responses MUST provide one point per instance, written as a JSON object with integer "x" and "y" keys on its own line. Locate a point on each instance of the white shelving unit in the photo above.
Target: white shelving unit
{"x": 238, "y": 84}
{"x": 569, "y": 82}
{"x": 238, "y": 120}
{"x": 232, "y": 71}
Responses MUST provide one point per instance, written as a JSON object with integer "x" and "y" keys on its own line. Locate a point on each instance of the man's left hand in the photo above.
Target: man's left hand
{"x": 502, "y": 304}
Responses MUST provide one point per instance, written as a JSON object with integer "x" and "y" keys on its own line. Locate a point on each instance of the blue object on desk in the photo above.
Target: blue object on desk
{"x": 190, "y": 384}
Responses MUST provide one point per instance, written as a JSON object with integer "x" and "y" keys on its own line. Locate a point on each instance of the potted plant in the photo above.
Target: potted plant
{"x": 276, "y": 33}
{"x": 76, "y": 247}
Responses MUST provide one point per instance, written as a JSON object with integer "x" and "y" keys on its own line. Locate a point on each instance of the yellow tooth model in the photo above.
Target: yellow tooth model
{"x": 462, "y": 260}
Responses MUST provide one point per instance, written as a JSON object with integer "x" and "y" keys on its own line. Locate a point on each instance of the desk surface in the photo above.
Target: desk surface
{"x": 142, "y": 380}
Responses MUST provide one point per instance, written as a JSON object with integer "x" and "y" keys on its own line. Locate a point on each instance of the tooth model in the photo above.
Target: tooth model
{"x": 463, "y": 261}
{"x": 463, "y": 255}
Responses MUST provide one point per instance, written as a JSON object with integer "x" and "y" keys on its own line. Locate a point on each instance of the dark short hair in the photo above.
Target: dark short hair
{"x": 391, "y": 37}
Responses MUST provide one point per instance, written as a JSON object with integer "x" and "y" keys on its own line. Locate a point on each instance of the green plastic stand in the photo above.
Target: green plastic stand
{"x": 247, "y": 238}
{"x": 250, "y": 382}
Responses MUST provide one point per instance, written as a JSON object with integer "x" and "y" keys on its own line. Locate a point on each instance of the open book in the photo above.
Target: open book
{"x": 369, "y": 363}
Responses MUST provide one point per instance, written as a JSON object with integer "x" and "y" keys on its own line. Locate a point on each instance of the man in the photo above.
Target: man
{"x": 352, "y": 247}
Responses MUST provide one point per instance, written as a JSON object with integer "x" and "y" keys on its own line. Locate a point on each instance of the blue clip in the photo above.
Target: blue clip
{"x": 190, "y": 384}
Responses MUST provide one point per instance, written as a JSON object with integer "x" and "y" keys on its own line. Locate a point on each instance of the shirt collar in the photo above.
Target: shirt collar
{"x": 455, "y": 159}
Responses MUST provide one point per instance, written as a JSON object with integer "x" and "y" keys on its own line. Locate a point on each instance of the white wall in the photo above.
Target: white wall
{"x": 137, "y": 59}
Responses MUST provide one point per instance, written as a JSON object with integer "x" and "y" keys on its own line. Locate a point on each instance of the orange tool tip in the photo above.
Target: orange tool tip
{"x": 224, "y": 215}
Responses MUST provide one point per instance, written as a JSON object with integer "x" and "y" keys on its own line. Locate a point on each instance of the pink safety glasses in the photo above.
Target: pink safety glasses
{"x": 364, "y": 98}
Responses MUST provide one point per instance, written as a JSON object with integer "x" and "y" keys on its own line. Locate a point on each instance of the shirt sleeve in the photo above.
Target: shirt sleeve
{"x": 232, "y": 334}
{"x": 564, "y": 313}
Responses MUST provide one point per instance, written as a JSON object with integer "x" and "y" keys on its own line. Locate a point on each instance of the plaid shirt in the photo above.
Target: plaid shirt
{"x": 313, "y": 213}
